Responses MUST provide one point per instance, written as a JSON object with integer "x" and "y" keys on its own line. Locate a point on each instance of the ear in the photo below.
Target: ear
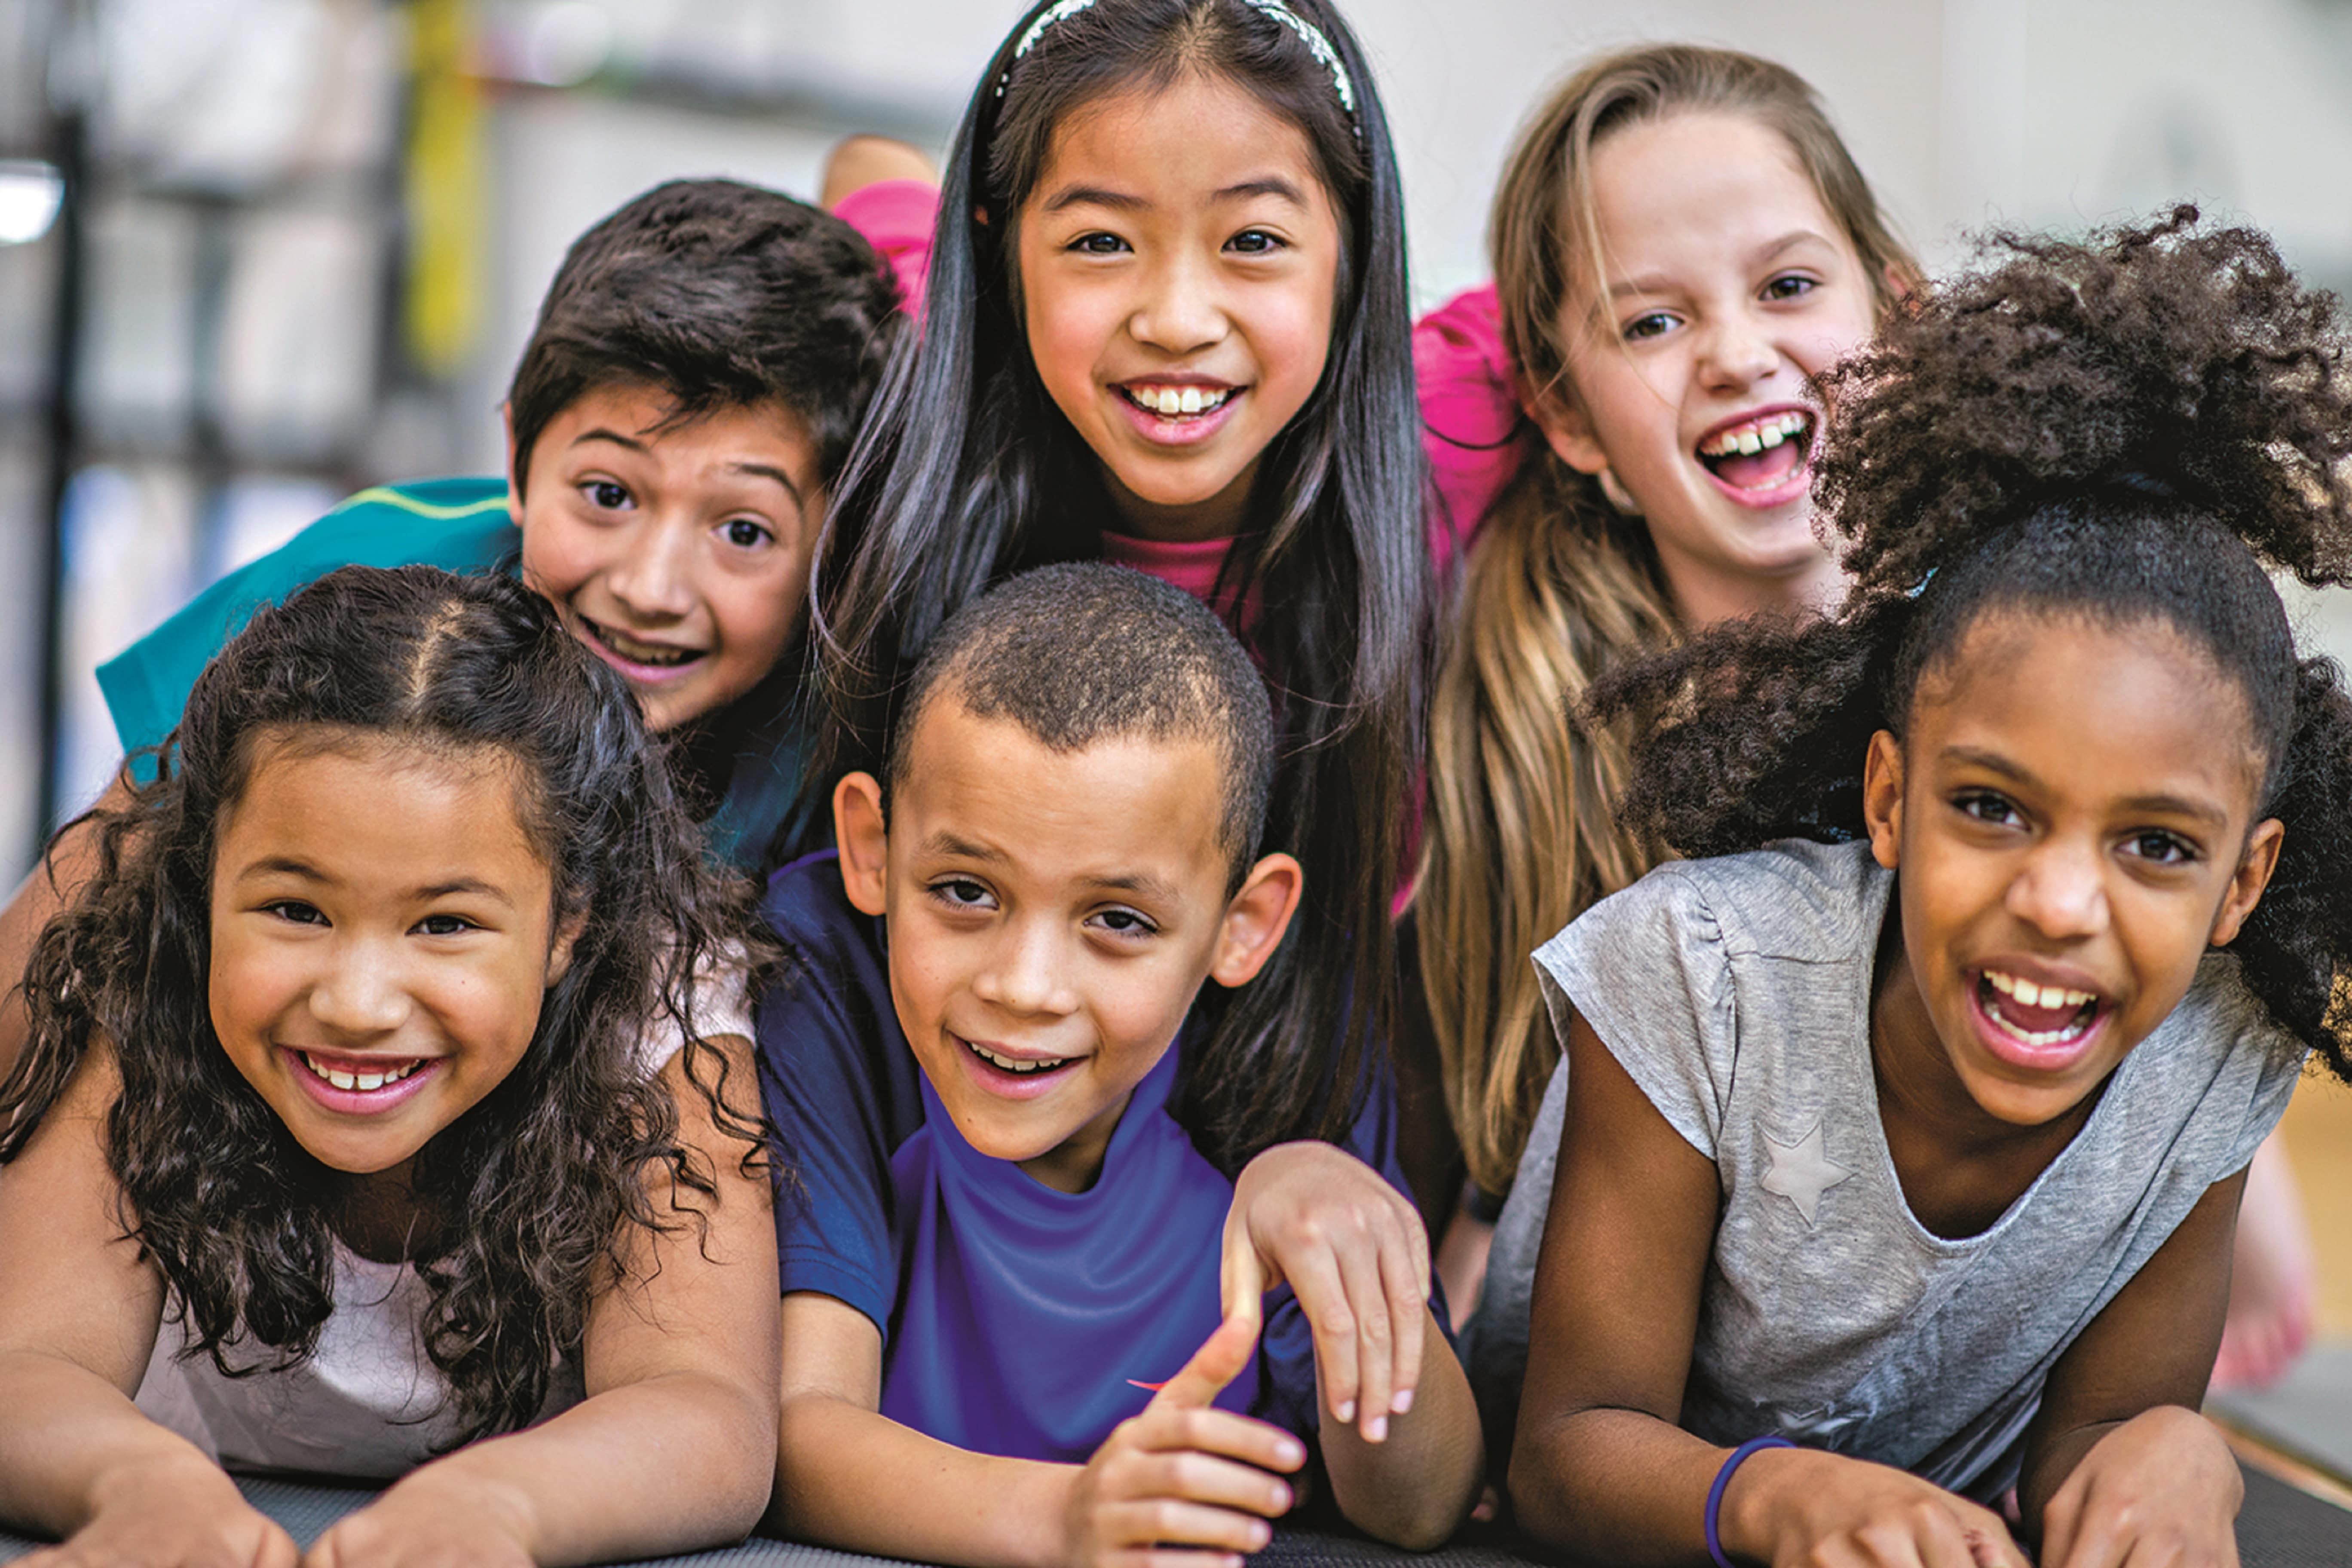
{"x": 1900, "y": 284}
{"x": 514, "y": 474}
{"x": 2247, "y": 883}
{"x": 1565, "y": 428}
{"x": 558, "y": 952}
{"x": 1882, "y": 797}
{"x": 865, "y": 841}
{"x": 1255, "y": 919}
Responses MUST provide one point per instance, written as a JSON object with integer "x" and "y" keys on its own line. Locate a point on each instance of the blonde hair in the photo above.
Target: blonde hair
{"x": 1523, "y": 829}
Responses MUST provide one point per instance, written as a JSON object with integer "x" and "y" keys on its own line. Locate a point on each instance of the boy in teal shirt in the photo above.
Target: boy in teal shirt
{"x": 686, "y": 399}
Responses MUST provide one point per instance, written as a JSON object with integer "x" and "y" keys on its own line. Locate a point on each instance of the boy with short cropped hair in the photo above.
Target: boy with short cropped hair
{"x": 1002, "y": 1238}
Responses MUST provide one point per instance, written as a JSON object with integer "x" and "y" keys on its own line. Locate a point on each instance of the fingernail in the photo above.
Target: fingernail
{"x": 1259, "y": 1535}
{"x": 1292, "y": 1453}
{"x": 1402, "y": 1403}
{"x": 1345, "y": 1410}
{"x": 1376, "y": 1428}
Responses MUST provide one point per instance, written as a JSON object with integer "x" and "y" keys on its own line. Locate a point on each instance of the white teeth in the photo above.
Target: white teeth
{"x": 1015, "y": 1064}
{"x": 1168, "y": 402}
{"x": 2033, "y": 995}
{"x": 362, "y": 1082}
{"x": 1756, "y": 436}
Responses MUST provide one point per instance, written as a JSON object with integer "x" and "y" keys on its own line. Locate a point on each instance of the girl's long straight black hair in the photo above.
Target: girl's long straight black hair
{"x": 967, "y": 473}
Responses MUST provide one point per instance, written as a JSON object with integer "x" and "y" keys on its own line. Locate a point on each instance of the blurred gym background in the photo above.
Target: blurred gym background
{"x": 258, "y": 253}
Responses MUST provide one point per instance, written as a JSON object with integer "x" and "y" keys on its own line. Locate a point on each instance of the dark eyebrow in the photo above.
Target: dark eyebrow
{"x": 1094, "y": 196}
{"x": 1264, "y": 185}
{"x": 602, "y": 434}
{"x": 947, "y": 845}
{"x": 769, "y": 471}
{"x": 464, "y": 885}
{"x": 284, "y": 865}
{"x": 1137, "y": 882}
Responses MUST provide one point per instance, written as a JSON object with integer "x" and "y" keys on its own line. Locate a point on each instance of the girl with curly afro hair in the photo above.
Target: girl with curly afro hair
{"x": 1898, "y": 1148}
{"x": 386, "y": 1089}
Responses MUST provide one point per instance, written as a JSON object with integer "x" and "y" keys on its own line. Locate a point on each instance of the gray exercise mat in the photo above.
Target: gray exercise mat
{"x": 2280, "y": 1528}
{"x": 2307, "y": 1413}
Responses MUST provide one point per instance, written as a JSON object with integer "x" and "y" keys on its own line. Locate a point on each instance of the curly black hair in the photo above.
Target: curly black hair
{"x": 2131, "y": 428}
{"x": 540, "y": 1185}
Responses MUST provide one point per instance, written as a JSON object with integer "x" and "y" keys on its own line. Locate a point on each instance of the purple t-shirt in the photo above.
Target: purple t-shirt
{"x": 1015, "y": 1319}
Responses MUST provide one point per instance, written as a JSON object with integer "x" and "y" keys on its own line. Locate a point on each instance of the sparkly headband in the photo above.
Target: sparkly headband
{"x": 1309, "y": 34}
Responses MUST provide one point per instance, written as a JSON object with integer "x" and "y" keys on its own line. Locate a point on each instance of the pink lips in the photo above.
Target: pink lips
{"x": 360, "y": 1101}
{"x": 2055, "y": 1057}
{"x": 1004, "y": 1085}
{"x": 1189, "y": 430}
{"x": 1799, "y": 476}
{"x": 637, "y": 673}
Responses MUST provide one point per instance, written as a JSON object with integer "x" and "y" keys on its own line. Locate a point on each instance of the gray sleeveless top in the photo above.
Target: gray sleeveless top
{"x": 1735, "y": 993}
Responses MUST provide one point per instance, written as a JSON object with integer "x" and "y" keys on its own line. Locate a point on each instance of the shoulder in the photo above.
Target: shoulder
{"x": 1793, "y": 900}
{"x": 810, "y": 910}
{"x": 2222, "y": 1060}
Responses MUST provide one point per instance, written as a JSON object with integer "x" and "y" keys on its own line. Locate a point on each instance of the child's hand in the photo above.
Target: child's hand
{"x": 1183, "y": 1474}
{"x": 429, "y": 1519}
{"x": 1802, "y": 1507}
{"x": 196, "y": 1520}
{"x": 1352, "y": 1247}
{"x": 2160, "y": 1489}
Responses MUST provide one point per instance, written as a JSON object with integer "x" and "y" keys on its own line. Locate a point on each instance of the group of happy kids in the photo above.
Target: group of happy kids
{"x": 1170, "y": 696}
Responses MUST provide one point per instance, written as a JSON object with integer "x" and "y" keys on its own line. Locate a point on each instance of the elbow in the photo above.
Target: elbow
{"x": 1535, "y": 1497}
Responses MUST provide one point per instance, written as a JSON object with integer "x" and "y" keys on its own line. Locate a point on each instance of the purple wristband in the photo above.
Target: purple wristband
{"x": 1722, "y": 1482}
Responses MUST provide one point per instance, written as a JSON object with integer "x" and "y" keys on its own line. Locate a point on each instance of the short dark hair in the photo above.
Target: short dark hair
{"x": 1082, "y": 653}
{"x": 720, "y": 294}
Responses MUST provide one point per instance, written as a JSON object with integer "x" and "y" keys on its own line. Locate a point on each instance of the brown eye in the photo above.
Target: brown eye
{"x": 605, "y": 494}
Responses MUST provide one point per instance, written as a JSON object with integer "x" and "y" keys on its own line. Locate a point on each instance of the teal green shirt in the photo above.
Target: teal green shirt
{"x": 458, "y": 525}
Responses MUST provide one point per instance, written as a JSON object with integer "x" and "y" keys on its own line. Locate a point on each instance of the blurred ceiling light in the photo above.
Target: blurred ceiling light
{"x": 30, "y": 193}
{"x": 565, "y": 42}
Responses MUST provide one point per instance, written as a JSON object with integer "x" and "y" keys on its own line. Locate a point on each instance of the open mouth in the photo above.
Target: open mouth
{"x": 1176, "y": 403}
{"x": 1018, "y": 1066}
{"x": 367, "y": 1082}
{"x": 2039, "y": 1017}
{"x": 652, "y": 654}
{"x": 1760, "y": 454}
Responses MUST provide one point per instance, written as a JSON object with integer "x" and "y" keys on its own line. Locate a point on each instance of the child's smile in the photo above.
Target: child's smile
{"x": 1051, "y": 914}
{"x": 381, "y": 941}
{"x": 678, "y": 551}
{"x": 1731, "y": 289}
{"x": 2072, "y": 820}
{"x": 1178, "y": 293}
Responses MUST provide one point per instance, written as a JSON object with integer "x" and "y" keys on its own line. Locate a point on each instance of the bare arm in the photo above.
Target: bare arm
{"x": 1601, "y": 1467}
{"x": 857, "y": 161}
{"x": 49, "y": 887}
{"x": 79, "y": 1314}
{"x": 670, "y": 1451}
{"x": 2119, "y": 1461}
{"x": 1415, "y": 1488}
{"x": 1181, "y": 1474}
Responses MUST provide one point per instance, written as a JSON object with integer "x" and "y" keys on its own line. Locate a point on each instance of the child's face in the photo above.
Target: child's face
{"x": 1051, "y": 916}
{"x": 1177, "y": 263}
{"x": 1731, "y": 286}
{"x": 679, "y": 553}
{"x": 2073, "y": 810}
{"x": 381, "y": 938}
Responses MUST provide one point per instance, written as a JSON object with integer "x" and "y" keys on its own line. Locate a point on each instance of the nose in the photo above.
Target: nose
{"x": 1180, "y": 311}
{"x": 653, "y": 577}
{"x": 2061, "y": 890}
{"x": 1026, "y": 972}
{"x": 361, "y": 995}
{"x": 1738, "y": 353}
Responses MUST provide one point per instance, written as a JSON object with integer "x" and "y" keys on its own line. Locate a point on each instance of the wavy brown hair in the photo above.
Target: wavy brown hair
{"x": 1523, "y": 830}
{"x": 537, "y": 1190}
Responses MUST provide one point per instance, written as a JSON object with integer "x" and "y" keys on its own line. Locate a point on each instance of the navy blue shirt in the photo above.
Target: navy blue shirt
{"x": 1015, "y": 1319}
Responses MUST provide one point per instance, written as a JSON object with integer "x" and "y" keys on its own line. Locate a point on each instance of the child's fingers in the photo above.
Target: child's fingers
{"x": 1171, "y": 1429}
{"x": 1408, "y": 1296}
{"x": 1367, "y": 1299}
{"x": 1323, "y": 1298}
{"x": 1220, "y": 1360}
{"x": 1171, "y": 1522}
{"x": 1193, "y": 1476}
{"x": 1241, "y": 1275}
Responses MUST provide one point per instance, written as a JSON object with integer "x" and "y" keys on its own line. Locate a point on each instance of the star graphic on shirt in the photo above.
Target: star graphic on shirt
{"x": 1802, "y": 1173}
